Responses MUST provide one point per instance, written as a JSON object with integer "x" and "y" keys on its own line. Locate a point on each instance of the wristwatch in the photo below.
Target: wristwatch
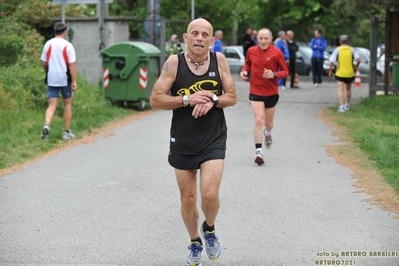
{"x": 275, "y": 75}
{"x": 185, "y": 100}
{"x": 215, "y": 100}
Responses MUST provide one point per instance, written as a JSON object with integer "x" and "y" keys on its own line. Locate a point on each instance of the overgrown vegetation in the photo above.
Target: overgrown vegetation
{"x": 374, "y": 126}
{"x": 23, "y": 97}
{"x": 231, "y": 16}
{"x": 21, "y": 125}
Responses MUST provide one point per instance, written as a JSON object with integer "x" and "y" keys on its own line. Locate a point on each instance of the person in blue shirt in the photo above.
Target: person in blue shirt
{"x": 281, "y": 44}
{"x": 254, "y": 37}
{"x": 318, "y": 44}
{"x": 218, "y": 43}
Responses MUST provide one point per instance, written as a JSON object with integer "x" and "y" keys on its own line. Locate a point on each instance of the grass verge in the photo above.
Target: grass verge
{"x": 21, "y": 128}
{"x": 370, "y": 132}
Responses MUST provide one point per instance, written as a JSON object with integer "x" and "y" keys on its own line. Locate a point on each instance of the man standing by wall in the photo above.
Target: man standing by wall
{"x": 292, "y": 48}
{"x": 59, "y": 59}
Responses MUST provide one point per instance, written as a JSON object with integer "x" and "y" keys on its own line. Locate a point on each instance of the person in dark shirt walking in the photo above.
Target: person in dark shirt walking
{"x": 247, "y": 40}
{"x": 292, "y": 48}
{"x": 197, "y": 85}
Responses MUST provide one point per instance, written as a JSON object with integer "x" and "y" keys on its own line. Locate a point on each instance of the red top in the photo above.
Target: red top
{"x": 256, "y": 61}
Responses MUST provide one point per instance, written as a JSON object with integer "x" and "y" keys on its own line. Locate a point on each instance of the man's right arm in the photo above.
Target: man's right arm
{"x": 160, "y": 99}
{"x": 44, "y": 65}
{"x": 332, "y": 59}
{"x": 43, "y": 58}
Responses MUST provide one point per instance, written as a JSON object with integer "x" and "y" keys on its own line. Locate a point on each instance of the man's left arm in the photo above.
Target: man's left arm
{"x": 229, "y": 96}
{"x": 72, "y": 71}
{"x": 72, "y": 66}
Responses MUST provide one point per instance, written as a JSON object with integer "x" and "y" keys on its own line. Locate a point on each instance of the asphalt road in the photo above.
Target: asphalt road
{"x": 116, "y": 202}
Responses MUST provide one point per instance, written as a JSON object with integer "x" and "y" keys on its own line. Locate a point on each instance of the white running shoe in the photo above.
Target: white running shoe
{"x": 268, "y": 141}
{"x": 259, "y": 158}
{"x": 213, "y": 250}
{"x": 45, "y": 131}
{"x": 341, "y": 109}
{"x": 68, "y": 135}
{"x": 194, "y": 258}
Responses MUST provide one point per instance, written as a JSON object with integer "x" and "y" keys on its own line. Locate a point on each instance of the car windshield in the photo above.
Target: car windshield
{"x": 307, "y": 51}
{"x": 363, "y": 57}
{"x": 231, "y": 53}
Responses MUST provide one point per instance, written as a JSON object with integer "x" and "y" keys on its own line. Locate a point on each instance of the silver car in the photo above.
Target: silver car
{"x": 235, "y": 58}
{"x": 364, "y": 67}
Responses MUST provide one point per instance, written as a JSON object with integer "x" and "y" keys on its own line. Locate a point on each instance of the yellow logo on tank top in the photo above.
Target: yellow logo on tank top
{"x": 198, "y": 86}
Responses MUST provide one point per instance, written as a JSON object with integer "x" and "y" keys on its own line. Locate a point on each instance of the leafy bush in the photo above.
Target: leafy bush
{"x": 21, "y": 79}
{"x": 10, "y": 49}
{"x": 7, "y": 100}
{"x": 23, "y": 84}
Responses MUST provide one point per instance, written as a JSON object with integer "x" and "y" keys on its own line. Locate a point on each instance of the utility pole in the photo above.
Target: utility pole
{"x": 63, "y": 11}
{"x": 192, "y": 9}
{"x": 152, "y": 22}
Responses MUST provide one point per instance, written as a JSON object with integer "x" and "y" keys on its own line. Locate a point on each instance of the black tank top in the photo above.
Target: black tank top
{"x": 189, "y": 135}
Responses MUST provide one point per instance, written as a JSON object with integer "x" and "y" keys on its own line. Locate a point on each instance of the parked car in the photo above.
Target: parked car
{"x": 235, "y": 58}
{"x": 364, "y": 66}
{"x": 330, "y": 48}
{"x": 304, "y": 61}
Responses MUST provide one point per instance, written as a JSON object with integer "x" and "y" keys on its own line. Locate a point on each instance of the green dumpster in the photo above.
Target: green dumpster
{"x": 395, "y": 74}
{"x": 130, "y": 70}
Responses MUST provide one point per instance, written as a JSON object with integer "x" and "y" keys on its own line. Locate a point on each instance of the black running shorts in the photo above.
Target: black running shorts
{"x": 190, "y": 162}
{"x": 345, "y": 80}
{"x": 269, "y": 101}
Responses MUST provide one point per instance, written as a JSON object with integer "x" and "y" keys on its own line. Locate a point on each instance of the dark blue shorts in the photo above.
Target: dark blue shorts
{"x": 66, "y": 91}
{"x": 269, "y": 101}
{"x": 190, "y": 162}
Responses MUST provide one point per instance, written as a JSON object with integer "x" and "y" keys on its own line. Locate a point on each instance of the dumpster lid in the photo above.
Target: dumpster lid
{"x": 122, "y": 49}
{"x": 146, "y": 48}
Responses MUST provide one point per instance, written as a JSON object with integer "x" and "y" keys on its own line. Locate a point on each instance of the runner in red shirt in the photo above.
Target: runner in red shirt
{"x": 263, "y": 61}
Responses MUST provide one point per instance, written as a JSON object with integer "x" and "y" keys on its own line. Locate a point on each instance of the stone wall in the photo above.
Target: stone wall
{"x": 87, "y": 42}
